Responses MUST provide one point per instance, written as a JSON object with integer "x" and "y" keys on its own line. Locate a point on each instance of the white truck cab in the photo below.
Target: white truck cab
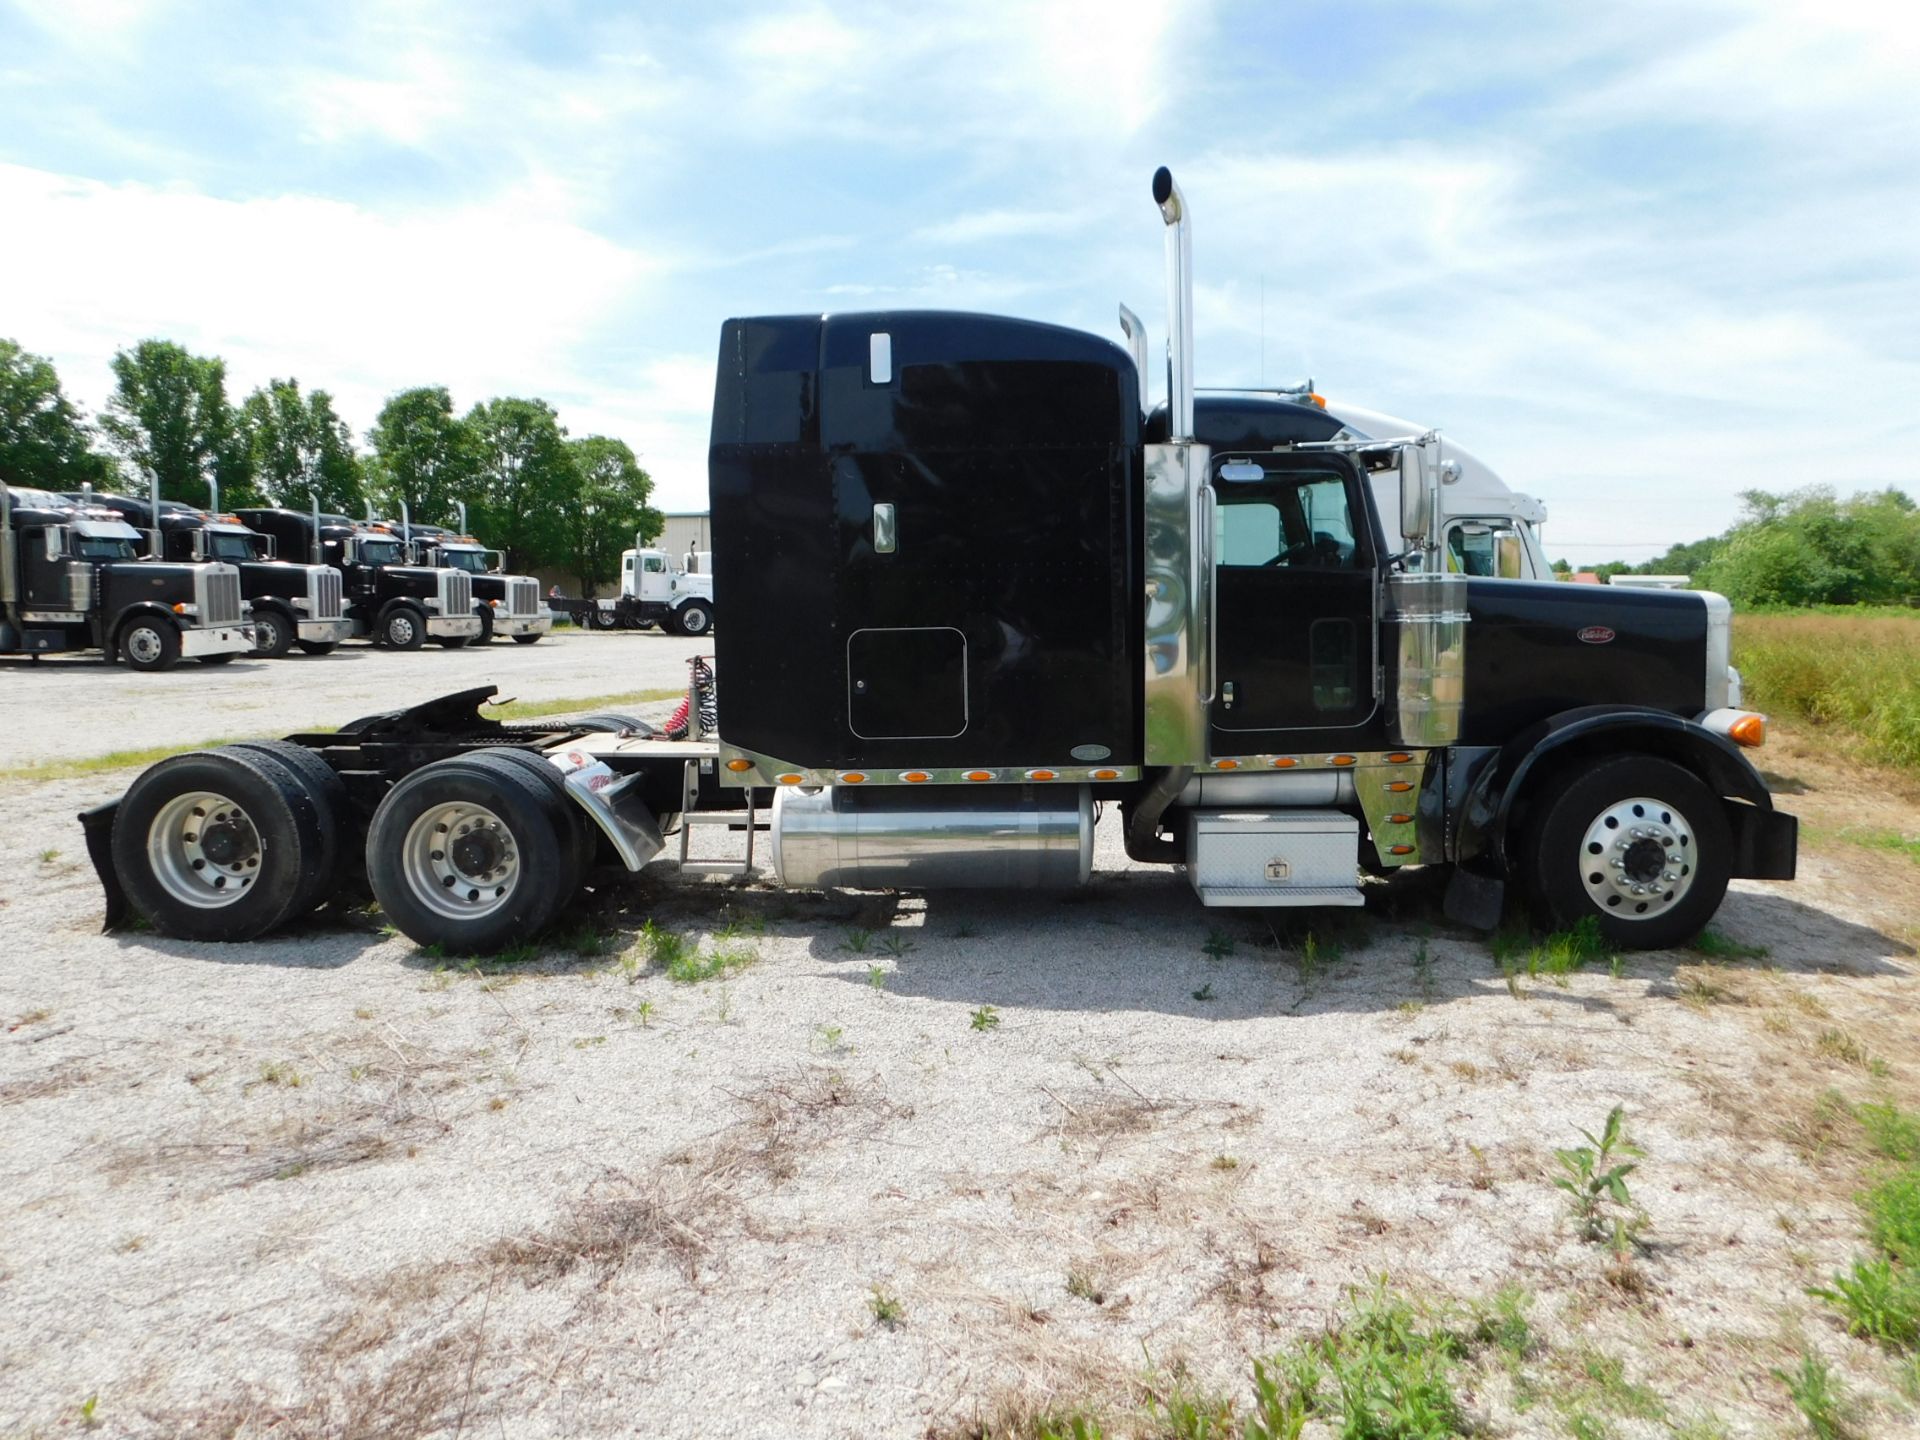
{"x": 654, "y": 589}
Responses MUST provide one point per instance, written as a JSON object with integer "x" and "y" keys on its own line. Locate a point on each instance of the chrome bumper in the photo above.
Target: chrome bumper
{"x": 220, "y": 640}
{"x": 504, "y": 624}
{"x": 440, "y": 626}
{"x": 325, "y": 631}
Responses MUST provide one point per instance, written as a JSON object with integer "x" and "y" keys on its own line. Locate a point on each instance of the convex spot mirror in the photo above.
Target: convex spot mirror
{"x": 1413, "y": 494}
{"x": 1242, "y": 470}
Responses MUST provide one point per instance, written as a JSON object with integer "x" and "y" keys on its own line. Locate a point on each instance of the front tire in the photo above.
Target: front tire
{"x": 485, "y": 612}
{"x": 273, "y": 634}
{"x": 1639, "y": 845}
{"x": 148, "y": 643}
{"x": 694, "y": 618}
{"x": 403, "y": 628}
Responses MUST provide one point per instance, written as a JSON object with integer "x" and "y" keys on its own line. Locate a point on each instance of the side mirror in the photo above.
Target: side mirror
{"x": 1414, "y": 514}
{"x": 198, "y": 544}
{"x": 56, "y": 541}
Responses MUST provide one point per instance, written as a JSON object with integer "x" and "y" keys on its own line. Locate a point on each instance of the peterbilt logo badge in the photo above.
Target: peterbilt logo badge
{"x": 1278, "y": 869}
{"x": 1596, "y": 635}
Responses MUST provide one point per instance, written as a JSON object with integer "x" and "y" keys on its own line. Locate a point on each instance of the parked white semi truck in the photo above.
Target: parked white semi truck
{"x": 654, "y": 590}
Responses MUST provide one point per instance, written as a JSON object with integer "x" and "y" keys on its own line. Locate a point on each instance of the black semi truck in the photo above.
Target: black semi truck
{"x": 389, "y": 600}
{"x": 505, "y": 604}
{"x": 287, "y": 604}
{"x": 995, "y": 591}
{"x": 71, "y": 579}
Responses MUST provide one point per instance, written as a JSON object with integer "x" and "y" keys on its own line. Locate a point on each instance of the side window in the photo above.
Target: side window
{"x": 655, "y": 564}
{"x": 1249, "y": 532}
{"x": 1486, "y": 548}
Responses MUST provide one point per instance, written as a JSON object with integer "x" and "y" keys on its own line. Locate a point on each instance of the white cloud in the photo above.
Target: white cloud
{"x": 985, "y": 225}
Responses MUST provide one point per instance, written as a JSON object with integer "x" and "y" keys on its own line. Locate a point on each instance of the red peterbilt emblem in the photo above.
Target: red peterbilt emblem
{"x": 1596, "y": 635}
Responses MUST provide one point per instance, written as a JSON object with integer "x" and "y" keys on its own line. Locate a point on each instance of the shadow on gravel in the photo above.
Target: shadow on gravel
{"x": 319, "y": 942}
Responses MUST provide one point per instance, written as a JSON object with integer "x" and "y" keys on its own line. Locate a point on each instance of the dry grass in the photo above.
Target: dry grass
{"x": 1858, "y": 675}
{"x": 673, "y": 1217}
{"x": 56, "y": 1081}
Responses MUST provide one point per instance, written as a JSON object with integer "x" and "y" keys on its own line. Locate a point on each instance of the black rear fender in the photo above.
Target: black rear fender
{"x": 98, "y": 825}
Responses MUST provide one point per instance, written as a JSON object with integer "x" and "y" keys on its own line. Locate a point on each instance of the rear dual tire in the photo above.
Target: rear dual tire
{"x": 476, "y": 852}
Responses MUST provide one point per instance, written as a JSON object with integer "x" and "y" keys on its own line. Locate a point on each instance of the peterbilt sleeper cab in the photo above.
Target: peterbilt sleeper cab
{"x": 991, "y": 589}
{"x": 71, "y": 579}
{"x": 388, "y": 599}
{"x": 287, "y": 603}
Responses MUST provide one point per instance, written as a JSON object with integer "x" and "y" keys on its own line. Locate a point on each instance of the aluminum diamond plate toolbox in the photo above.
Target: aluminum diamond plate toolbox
{"x": 1274, "y": 857}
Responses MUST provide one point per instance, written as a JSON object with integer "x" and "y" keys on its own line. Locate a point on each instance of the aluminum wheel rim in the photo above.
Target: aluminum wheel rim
{"x": 460, "y": 861}
{"x": 1638, "y": 858}
{"x": 400, "y": 629}
{"x": 143, "y": 643}
{"x": 696, "y": 619}
{"x": 204, "y": 850}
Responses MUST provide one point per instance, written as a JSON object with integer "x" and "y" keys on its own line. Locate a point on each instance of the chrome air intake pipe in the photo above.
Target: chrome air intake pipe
{"x": 153, "y": 514}
{"x": 1001, "y": 837}
{"x": 318, "y": 551}
{"x": 1173, "y": 210}
{"x": 1136, "y": 333}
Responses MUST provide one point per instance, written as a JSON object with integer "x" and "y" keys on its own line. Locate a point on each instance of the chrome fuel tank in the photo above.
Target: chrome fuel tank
{"x": 1006, "y": 837}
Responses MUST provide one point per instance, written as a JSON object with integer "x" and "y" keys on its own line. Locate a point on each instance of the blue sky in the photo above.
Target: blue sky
{"x": 1638, "y": 257}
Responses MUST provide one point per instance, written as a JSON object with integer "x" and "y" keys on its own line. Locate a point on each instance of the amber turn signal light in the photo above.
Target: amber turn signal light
{"x": 1749, "y": 730}
{"x": 739, "y": 767}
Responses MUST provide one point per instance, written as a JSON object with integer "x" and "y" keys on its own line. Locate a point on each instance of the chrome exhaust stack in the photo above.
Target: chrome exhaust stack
{"x": 316, "y": 550}
{"x": 1173, "y": 210}
{"x": 8, "y": 585}
{"x": 153, "y": 514}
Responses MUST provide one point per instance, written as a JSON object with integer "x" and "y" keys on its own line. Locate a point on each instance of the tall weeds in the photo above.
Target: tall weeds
{"x": 1858, "y": 674}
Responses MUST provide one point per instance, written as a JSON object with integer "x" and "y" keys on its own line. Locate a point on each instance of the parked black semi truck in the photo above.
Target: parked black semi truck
{"x": 71, "y": 579}
{"x": 388, "y": 599}
{"x": 505, "y": 604}
{"x": 287, "y": 604}
{"x": 994, "y": 592}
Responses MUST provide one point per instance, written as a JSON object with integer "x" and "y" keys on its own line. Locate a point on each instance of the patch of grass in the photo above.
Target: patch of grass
{"x": 1842, "y": 1046}
{"x": 1879, "y": 1301}
{"x": 524, "y": 953}
{"x": 1224, "y": 1162}
{"x": 857, "y": 941}
{"x": 1218, "y": 945}
{"x": 49, "y": 855}
{"x": 1610, "y": 1388}
{"x": 1893, "y": 1215}
{"x": 126, "y": 759}
{"x": 589, "y": 1042}
{"x": 830, "y": 1040}
{"x": 898, "y": 946}
{"x": 1819, "y": 1398}
{"x": 1205, "y": 992}
{"x": 985, "y": 1018}
{"x": 886, "y": 1308}
{"x": 1082, "y": 1286}
{"x": 575, "y": 705}
{"x": 587, "y": 941}
{"x": 966, "y": 930}
{"x": 278, "y": 1072}
{"x": 1853, "y": 673}
{"x": 89, "y": 1419}
{"x": 1556, "y": 956}
{"x": 1716, "y": 946}
{"x": 1899, "y": 844}
{"x": 1501, "y": 1323}
{"x": 877, "y": 976}
{"x": 693, "y": 966}
{"x": 1893, "y": 1132}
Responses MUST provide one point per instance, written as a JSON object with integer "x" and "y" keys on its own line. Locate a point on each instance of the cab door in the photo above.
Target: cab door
{"x": 1294, "y": 620}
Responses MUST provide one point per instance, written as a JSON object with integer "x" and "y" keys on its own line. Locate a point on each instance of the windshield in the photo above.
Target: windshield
{"x": 379, "y": 552}
{"x": 230, "y": 547}
{"x": 474, "y": 562}
{"x": 102, "y": 547}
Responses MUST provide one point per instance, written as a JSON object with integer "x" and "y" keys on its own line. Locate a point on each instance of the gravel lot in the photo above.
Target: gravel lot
{"x": 1091, "y": 1147}
{"x": 72, "y": 707}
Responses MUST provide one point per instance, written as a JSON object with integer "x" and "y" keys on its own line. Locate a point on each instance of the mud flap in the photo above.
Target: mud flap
{"x": 98, "y": 824}
{"x": 1475, "y": 900}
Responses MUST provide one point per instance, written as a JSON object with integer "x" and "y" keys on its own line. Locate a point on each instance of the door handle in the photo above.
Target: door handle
{"x": 1210, "y": 602}
{"x": 886, "y": 536}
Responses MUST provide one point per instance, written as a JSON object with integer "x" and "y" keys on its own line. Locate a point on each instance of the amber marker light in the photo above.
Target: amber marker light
{"x": 978, "y": 775}
{"x": 1042, "y": 775}
{"x": 1344, "y": 759}
{"x": 1398, "y": 757}
{"x": 1399, "y": 849}
{"x": 915, "y": 777}
{"x": 1749, "y": 730}
{"x": 1226, "y": 764}
{"x": 1285, "y": 762}
{"x": 1106, "y": 775}
{"x": 852, "y": 777}
{"x": 1399, "y": 819}
{"x": 789, "y": 779}
{"x": 739, "y": 767}
{"x": 1399, "y": 787}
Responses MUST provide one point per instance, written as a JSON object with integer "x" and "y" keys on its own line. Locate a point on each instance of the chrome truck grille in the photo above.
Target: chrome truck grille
{"x": 217, "y": 593}
{"x": 456, "y": 593}
{"x": 523, "y": 596}
{"x": 324, "y": 593}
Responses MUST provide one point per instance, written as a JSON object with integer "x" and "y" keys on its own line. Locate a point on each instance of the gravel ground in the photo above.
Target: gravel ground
{"x": 69, "y": 707}
{"x": 918, "y": 1165}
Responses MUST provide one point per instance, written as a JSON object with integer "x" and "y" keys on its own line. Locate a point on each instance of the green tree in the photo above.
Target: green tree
{"x": 43, "y": 435}
{"x": 423, "y": 455}
{"x": 169, "y": 415}
{"x": 301, "y": 449}
{"x": 1808, "y": 547}
{"x": 526, "y": 487}
{"x": 609, "y": 509}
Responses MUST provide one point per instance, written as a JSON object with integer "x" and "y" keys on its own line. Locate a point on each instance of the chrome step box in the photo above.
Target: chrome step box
{"x": 1274, "y": 857}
